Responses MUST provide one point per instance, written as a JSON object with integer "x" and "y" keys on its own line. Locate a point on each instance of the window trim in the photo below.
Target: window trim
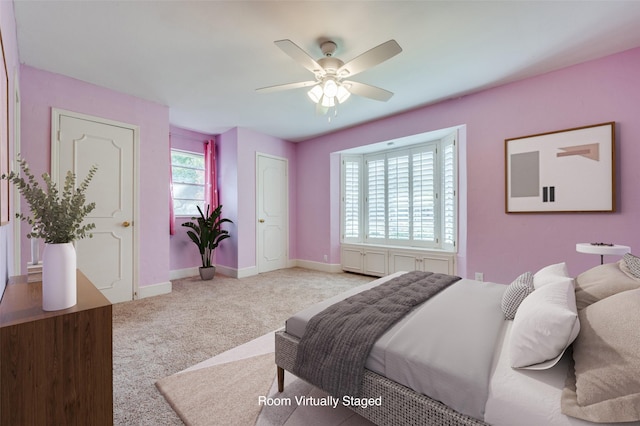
{"x": 354, "y": 158}
{"x": 203, "y": 185}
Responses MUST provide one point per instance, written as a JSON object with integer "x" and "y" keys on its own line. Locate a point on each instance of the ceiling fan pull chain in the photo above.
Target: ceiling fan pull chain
{"x": 335, "y": 114}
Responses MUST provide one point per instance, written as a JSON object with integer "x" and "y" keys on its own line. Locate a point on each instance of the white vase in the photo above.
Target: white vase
{"x": 58, "y": 276}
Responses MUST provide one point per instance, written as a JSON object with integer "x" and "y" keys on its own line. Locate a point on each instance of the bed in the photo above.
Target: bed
{"x": 589, "y": 373}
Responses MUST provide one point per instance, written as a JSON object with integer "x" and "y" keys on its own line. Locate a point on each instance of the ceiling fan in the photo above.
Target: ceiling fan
{"x": 331, "y": 85}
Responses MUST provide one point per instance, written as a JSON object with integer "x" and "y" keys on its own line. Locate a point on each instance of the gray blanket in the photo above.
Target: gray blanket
{"x": 337, "y": 341}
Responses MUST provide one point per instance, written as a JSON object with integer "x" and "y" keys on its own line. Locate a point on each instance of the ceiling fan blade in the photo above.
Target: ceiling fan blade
{"x": 287, "y": 86}
{"x": 367, "y": 91}
{"x": 370, "y": 58}
{"x": 299, "y": 55}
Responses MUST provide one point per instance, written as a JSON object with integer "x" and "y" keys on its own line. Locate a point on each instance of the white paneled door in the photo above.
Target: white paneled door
{"x": 272, "y": 213}
{"x": 78, "y": 142}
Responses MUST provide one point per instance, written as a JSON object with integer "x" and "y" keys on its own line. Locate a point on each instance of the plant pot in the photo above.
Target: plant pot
{"x": 207, "y": 273}
{"x": 58, "y": 276}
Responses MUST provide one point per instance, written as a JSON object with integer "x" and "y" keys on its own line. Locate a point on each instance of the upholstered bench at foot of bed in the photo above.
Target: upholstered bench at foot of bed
{"x": 400, "y": 405}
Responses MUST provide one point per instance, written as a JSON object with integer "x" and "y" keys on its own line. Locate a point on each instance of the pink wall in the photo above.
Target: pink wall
{"x": 183, "y": 253}
{"x": 501, "y": 245}
{"x": 227, "y": 254}
{"x": 238, "y": 148}
{"x": 41, "y": 90}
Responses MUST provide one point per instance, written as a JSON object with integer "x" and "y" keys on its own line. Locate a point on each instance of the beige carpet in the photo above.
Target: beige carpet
{"x": 224, "y": 394}
{"x": 160, "y": 336}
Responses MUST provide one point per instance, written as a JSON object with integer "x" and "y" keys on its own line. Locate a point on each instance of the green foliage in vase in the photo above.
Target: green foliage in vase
{"x": 56, "y": 218}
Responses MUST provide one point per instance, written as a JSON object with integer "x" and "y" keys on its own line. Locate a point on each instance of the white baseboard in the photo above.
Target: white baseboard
{"x": 154, "y": 290}
{"x": 246, "y": 272}
{"x": 229, "y": 272}
{"x": 292, "y": 263}
{"x": 177, "y": 274}
{"x": 253, "y": 270}
{"x": 319, "y": 266}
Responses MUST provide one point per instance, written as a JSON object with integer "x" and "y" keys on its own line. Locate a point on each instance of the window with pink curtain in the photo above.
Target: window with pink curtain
{"x": 211, "y": 173}
{"x": 184, "y": 174}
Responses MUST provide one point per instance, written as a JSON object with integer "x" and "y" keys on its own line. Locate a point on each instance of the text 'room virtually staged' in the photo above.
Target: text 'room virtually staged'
{"x": 284, "y": 213}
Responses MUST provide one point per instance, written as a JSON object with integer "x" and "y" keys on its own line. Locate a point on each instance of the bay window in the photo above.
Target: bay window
{"x": 401, "y": 197}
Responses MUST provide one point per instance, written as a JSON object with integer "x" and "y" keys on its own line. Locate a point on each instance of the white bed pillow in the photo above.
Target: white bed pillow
{"x": 545, "y": 324}
{"x": 550, "y": 274}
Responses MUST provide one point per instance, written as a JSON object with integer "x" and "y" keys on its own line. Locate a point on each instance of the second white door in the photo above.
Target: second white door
{"x": 272, "y": 212}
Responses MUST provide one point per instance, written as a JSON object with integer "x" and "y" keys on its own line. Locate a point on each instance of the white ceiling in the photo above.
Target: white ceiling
{"x": 204, "y": 59}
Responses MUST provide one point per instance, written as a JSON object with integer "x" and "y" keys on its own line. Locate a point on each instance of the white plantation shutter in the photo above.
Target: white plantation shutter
{"x": 449, "y": 192}
{"x": 403, "y": 197}
{"x": 351, "y": 198}
{"x": 398, "y": 197}
{"x": 376, "y": 212}
{"x": 424, "y": 195}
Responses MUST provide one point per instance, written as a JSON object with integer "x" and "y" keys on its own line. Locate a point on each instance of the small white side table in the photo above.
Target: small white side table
{"x": 602, "y": 249}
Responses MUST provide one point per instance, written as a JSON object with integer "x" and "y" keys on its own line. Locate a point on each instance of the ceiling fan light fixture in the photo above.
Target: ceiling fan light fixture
{"x": 328, "y": 101}
{"x": 315, "y": 94}
{"x": 330, "y": 88}
{"x": 342, "y": 93}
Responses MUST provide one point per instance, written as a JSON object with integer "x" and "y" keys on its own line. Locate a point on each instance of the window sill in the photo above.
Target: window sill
{"x": 397, "y": 247}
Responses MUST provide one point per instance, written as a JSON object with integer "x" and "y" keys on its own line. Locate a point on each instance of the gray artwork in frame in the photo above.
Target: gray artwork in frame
{"x": 569, "y": 170}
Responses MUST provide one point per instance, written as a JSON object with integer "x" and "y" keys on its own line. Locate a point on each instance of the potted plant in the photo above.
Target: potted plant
{"x": 207, "y": 233}
{"x": 57, "y": 218}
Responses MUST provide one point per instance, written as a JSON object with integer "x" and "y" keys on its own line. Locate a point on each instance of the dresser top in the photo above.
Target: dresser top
{"x": 22, "y": 301}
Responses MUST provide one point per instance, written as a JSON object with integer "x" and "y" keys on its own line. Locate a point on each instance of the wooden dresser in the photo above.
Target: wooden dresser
{"x": 56, "y": 368}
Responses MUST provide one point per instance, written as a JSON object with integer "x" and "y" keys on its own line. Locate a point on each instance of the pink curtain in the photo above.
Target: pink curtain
{"x": 211, "y": 173}
{"x": 172, "y": 218}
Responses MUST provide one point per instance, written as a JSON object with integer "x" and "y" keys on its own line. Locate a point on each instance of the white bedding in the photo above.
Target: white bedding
{"x": 522, "y": 397}
{"x": 532, "y": 397}
{"x": 429, "y": 349}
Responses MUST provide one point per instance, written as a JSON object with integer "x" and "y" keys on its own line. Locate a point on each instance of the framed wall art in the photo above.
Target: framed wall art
{"x": 4, "y": 137}
{"x": 569, "y": 170}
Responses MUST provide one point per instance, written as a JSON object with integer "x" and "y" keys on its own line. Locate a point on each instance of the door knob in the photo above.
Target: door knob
{"x": 261, "y": 221}
{"x": 126, "y": 224}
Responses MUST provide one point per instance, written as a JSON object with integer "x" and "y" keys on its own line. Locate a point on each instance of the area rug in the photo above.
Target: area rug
{"x": 238, "y": 387}
{"x": 223, "y": 394}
